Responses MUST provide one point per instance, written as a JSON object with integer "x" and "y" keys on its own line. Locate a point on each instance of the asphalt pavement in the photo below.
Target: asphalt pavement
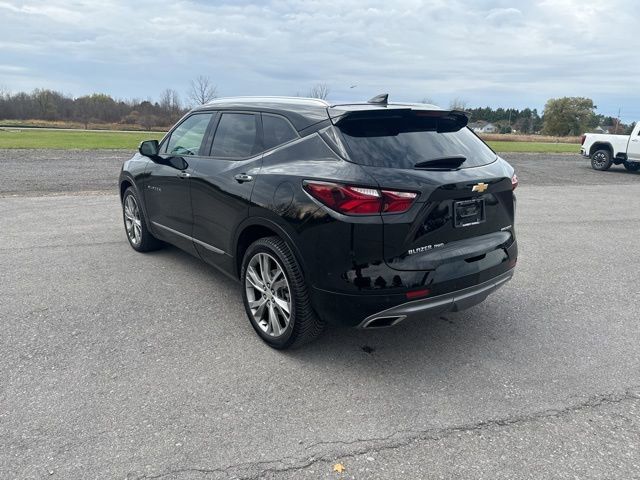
{"x": 122, "y": 365}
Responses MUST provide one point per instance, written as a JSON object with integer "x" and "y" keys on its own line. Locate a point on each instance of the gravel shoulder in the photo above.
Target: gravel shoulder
{"x": 36, "y": 172}
{"x": 565, "y": 169}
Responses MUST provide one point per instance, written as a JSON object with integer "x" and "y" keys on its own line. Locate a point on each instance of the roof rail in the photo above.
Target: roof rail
{"x": 268, "y": 97}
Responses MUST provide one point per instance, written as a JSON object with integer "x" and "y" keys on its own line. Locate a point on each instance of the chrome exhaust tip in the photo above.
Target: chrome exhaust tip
{"x": 382, "y": 322}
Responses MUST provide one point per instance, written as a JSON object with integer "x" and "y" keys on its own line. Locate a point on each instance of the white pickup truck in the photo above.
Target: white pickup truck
{"x": 606, "y": 149}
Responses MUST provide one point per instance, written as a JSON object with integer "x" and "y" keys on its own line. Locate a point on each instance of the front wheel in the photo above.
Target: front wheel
{"x": 601, "y": 160}
{"x": 139, "y": 236}
{"x": 275, "y": 295}
{"x": 631, "y": 166}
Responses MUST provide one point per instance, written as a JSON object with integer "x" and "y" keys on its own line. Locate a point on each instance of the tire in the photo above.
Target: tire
{"x": 266, "y": 303}
{"x": 135, "y": 225}
{"x": 601, "y": 160}
{"x": 631, "y": 166}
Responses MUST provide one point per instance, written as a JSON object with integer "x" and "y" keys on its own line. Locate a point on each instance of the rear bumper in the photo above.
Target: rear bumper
{"x": 357, "y": 310}
{"x": 448, "y": 302}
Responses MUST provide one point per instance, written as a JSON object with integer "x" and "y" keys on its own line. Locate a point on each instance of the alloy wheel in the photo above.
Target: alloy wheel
{"x": 268, "y": 294}
{"x": 599, "y": 159}
{"x": 132, "y": 221}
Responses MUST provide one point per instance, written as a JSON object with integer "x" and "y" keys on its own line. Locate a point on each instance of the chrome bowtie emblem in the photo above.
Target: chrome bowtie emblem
{"x": 479, "y": 187}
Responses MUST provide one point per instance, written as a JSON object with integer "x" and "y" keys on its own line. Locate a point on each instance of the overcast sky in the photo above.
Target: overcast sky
{"x": 491, "y": 52}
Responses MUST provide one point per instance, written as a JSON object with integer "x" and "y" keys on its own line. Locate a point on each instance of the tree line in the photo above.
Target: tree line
{"x": 565, "y": 116}
{"x": 97, "y": 108}
{"x": 561, "y": 116}
{"x": 100, "y": 108}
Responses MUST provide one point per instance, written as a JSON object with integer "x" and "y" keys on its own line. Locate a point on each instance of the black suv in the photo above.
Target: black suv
{"x": 364, "y": 214}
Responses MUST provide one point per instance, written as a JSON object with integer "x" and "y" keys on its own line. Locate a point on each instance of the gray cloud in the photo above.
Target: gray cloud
{"x": 488, "y": 52}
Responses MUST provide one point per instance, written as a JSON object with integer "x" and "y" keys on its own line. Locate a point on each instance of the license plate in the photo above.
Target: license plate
{"x": 469, "y": 212}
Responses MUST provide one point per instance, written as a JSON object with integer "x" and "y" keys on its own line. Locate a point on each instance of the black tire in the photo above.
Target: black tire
{"x": 303, "y": 324}
{"x": 631, "y": 166}
{"x": 601, "y": 160}
{"x": 141, "y": 239}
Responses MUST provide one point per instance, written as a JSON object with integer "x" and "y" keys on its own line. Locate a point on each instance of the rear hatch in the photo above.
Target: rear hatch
{"x": 464, "y": 211}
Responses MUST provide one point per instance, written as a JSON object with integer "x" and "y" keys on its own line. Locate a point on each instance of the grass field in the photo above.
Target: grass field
{"x": 73, "y": 139}
{"x": 513, "y": 137}
{"x": 534, "y": 147}
{"x": 102, "y": 139}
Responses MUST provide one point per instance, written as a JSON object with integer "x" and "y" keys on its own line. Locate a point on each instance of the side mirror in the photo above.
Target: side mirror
{"x": 149, "y": 148}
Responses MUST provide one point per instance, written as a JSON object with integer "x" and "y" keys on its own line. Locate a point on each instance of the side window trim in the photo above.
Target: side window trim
{"x": 214, "y": 129}
{"x": 258, "y": 122}
{"x": 207, "y": 143}
{"x": 282, "y": 117}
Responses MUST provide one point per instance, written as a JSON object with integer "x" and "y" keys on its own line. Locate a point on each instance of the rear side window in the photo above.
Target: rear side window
{"x": 236, "y": 136}
{"x": 276, "y": 131}
{"x": 187, "y": 137}
{"x": 404, "y": 142}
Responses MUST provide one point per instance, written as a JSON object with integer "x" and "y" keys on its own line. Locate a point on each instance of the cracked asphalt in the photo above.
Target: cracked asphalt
{"x": 120, "y": 365}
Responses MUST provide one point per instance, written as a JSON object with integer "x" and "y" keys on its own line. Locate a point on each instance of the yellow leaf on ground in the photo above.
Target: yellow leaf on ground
{"x": 338, "y": 467}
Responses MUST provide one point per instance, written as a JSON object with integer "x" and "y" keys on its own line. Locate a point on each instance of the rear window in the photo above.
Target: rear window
{"x": 403, "y": 142}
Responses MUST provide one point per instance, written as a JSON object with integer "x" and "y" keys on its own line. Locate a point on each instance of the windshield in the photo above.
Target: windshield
{"x": 403, "y": 142}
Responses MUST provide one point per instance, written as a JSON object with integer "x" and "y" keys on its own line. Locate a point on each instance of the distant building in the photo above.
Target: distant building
{"x": 608, "y": 129}
{"x": 483, "y": 127}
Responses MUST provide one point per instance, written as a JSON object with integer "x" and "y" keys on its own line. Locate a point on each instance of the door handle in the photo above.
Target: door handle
{"x": 243, "y": 177}
{"x": 634, "y": 140}
{"x": 184, "y": 175}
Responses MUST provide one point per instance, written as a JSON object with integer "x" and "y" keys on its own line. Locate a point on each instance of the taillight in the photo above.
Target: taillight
{"x": 355, "y": 200}
{"x": 514, "y": 182}
{"x": 582, "y": 139}
{"x": 396, "y": 202}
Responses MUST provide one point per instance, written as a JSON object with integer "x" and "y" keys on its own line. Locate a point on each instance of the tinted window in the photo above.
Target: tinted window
{"x": 403, "y": 142}
{"x": 276, "y": 131}
{"x": 236, "y": 136}
{"x": 187, "y": 137}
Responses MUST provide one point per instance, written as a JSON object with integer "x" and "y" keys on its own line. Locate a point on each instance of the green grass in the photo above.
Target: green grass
{"x": 534, "y": 147}
{"x": 73, "y": 139}
{"x": 98, "y": 139}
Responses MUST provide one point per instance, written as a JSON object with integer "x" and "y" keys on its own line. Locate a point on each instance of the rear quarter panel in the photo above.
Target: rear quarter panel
{"x": 330, "y": 246}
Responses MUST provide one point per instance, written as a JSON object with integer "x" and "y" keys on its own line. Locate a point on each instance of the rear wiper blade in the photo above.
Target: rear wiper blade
{"x": 445, "y": 163}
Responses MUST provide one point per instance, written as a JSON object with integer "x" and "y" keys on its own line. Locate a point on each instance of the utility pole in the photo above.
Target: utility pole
{"x": 617, "y": 121}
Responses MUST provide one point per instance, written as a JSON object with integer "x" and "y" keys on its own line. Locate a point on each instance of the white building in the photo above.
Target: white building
{"x": 483, "y": 127}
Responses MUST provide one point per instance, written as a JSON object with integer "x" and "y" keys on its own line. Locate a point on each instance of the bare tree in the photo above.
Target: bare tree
{"x": 458, "y": 104}
{"x": 170, "y": 105}
{"x": 202, "y": 90}
{"x": 428, "y": 100}
{"x": 319, "y": 90}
